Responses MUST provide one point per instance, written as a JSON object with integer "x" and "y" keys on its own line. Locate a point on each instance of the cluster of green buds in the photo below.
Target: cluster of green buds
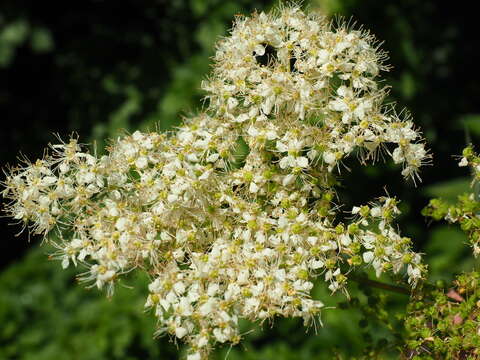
{"x": 466, "y": 210}
{"x": 235, "y": 215}
{"x": 445, "y": 324}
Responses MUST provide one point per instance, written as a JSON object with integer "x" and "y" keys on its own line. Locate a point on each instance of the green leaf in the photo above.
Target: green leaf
{"x": 448, "y": 190}
{"x": 15, "y": 33}
{"x": 408, "y": 86}
{"x": 445, "y": 247}
{"x": 41, "y": 40}
{"x": 471, "y": 123}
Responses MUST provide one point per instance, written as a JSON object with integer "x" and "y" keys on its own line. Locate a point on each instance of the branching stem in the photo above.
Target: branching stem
{"x": 380, "y": 285}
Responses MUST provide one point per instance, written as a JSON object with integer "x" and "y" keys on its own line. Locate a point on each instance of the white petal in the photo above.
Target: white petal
{"x": 302, "y": 161}
{"x": 180, "y": 332}
{"x": 368, "y": 256}
{"x": 289, "y": 179}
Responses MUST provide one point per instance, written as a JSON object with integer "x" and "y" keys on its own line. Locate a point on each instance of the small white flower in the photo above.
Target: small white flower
{"x": 463, "y": 162}
{"x": 180, "y": 332}
{"x": 329, "y": 157}
{"x": 368, "y": 256}
{"x": 194, "y": 356}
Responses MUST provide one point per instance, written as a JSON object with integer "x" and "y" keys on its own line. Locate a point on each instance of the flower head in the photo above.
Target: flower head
{"x": 233, "y": 214}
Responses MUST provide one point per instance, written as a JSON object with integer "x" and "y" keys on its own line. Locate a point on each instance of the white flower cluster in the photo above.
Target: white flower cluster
{"x": 233, "y": 215}
{"x": 290, "y": 70}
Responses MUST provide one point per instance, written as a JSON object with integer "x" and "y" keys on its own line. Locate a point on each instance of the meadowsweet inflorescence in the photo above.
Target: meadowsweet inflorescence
{"x": 233, "y": 214}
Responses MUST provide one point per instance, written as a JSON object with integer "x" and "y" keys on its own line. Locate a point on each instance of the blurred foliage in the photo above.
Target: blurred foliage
{"x": 46, "y": 315}
{"x": 471, "y": 124}
{"x": 448, "y": 190}
{"x": 18, "y": 33}
{"x": 99, "y": 68}
{"x": 446, "y": 247}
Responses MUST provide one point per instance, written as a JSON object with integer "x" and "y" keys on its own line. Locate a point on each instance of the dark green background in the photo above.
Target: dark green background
{"x": 99, "y": 67}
